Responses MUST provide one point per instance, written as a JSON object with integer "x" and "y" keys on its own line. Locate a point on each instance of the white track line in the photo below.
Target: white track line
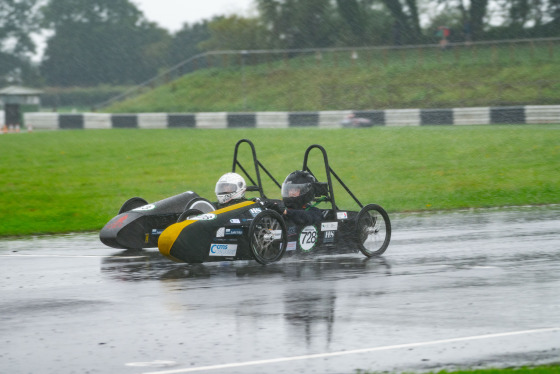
{"x": 355, "y": 351}
{"x": 71, "y": 256}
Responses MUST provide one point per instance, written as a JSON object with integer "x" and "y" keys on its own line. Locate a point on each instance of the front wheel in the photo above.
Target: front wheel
{"x": 267, "y": 237}
{"x": 189, "y": 214}
{"x": 132, "y": 203}
{"x": 374, "y": 230}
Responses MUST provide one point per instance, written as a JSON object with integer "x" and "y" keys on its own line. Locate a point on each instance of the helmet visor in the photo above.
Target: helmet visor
{"x": 224, "y": 188}
{"x": 295, "y": 190}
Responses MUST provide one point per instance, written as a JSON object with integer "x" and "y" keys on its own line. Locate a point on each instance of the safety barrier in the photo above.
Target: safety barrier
{"x": 531, "y": 114}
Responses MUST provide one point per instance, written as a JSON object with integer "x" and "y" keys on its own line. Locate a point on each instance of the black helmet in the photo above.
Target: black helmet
{"x": 298, "y": 190}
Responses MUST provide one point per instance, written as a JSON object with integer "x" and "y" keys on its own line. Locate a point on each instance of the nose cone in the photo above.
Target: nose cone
{"x": 123, "y": 231}
{"x": 168, "y": 238}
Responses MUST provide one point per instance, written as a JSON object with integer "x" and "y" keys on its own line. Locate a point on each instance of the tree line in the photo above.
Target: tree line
{"x": 94, "y": 42}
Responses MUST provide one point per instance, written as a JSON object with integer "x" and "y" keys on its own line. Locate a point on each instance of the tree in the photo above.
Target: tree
{"x": 362, "y": 22}
{"x": 406, "y": 20}
{"x": 185, "y": 43}
{"x": 234, "y": 33}
{"x": 17, "y": 23}
{"x": 472, "y": 16}
{"x": 101, "y": 41}
{"x": 298, "y": 24}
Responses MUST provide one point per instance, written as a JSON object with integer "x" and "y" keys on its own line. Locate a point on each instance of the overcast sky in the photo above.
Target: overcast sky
{"x": 172, "y": 14}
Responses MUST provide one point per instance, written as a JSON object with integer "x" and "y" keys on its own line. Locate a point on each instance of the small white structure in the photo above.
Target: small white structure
{"x": 12, "y": 98}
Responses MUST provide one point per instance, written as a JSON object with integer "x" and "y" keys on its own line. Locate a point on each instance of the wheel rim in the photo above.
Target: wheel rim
{"x": 266, "y": 240}
{"x": 372, "y": 231}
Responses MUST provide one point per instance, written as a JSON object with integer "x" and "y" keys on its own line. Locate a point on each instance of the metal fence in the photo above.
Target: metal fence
{"x": 494, "y": 52}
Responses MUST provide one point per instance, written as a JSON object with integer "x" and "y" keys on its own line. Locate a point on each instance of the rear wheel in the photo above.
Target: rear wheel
{"x": 132, "y": 203}
{"x": 374, "y": 230}
{"x": 267, "y": 237}
{"x": 188, "y": 214}
{"x": 202, "y": 204}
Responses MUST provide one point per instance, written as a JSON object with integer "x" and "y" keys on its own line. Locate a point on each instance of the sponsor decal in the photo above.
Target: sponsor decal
{"x": 329, "y": 226}
{"x": 292, "y": 230}
{"x": 157, "y": 231}
{"x": 238, "y": 231}
{"x": 341, "y": 215}
{"x": 329, "y": 237}
{"x": 204, "y": 217}
{"x": 223, "y": 249}
{"x": 291, "y": 246}
{"x": 234, "y": 220}
{"x": 145, "y": 207}
{"x": 147, "y": 238}
{"x": 255, "y": 211}
{"x": 220, "y": 233}
{"x": 308, "y": 238}
{"x": 119, "y": 223}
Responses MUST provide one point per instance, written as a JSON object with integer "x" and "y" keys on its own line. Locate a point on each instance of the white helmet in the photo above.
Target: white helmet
{"x": 230, "y": 186}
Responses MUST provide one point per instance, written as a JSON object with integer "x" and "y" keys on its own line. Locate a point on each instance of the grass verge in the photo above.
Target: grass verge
{"x": 544, "y": 369}
{"x": 77, "y": 180}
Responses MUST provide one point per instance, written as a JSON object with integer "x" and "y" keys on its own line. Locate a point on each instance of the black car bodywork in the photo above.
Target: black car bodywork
{"x": 139, "y": 223}
{"x": 250, "y": 230}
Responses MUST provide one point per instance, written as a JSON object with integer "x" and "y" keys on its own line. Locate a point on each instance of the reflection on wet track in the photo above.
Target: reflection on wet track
{"x": 454, "y": 289}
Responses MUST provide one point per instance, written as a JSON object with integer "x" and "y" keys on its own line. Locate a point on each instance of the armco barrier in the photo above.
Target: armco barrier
{"x": 216, "y": 120}
{"x": 152, "y": 120}
{"x": 532, "y": 114}
{"x": 377, "y": 117}
{"x": 402, "y": 117}
{"x": 507, "y": 115}
{"x": 181, "y": 120}
{"x": 241, "y": 120}
{"x": 535, "y": 114}
{"x": 436, "y": 117}
{"x": 471, "y": 116}
{"x": 272, "y": 120}
{"x": 97, "y": 121}
{"x": 42, "y": 121}
{"x": 71, "y": 121}
{"x": 124, "y": 121}
{"x": 303, "y": 119}
{"x": 332, "y": 119}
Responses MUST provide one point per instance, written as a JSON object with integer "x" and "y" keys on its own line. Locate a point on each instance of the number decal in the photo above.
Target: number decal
{"x": 308, "y": 238}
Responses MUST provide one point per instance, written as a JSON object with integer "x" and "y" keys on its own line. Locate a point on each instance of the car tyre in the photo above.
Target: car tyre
{"x": 373, "y": 229}
{"x": 189, "y": 214}
{"x": 268, "y": 237}
{"x": 132, "y": 203}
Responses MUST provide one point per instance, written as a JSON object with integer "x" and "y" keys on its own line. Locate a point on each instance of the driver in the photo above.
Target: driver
{"x": 298, "y": 192}
{"x": 230, "y": 189}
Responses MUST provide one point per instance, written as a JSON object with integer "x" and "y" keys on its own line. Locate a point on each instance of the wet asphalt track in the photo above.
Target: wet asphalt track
{"x": 461, "y": 289}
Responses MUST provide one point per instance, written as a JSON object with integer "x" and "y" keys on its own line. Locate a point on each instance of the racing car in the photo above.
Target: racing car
{"x": 139, "y": 224}
{"x": 252, "y": 230}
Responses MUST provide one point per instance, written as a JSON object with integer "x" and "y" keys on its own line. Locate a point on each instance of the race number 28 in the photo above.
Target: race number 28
{"x": 307, "y": 238}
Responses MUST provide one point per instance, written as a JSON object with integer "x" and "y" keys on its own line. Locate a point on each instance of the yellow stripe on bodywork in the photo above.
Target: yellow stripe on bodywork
{"x": 170, "y": 234}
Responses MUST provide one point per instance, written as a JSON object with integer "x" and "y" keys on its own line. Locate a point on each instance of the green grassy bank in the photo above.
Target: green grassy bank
{"x": 64, "y": 181}
{"x": 389, "y": 79}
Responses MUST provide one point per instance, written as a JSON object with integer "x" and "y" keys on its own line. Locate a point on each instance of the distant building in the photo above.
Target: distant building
{"x": 12, "y": 98}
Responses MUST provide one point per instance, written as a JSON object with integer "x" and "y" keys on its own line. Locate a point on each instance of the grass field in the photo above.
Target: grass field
{"x": 64, "y": 181}
{"x": 544, "y": 369}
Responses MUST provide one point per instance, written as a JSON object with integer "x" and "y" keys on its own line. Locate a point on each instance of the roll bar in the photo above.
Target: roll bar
{"x": 256, "y": 186}
{"x": 329, "y": 171}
